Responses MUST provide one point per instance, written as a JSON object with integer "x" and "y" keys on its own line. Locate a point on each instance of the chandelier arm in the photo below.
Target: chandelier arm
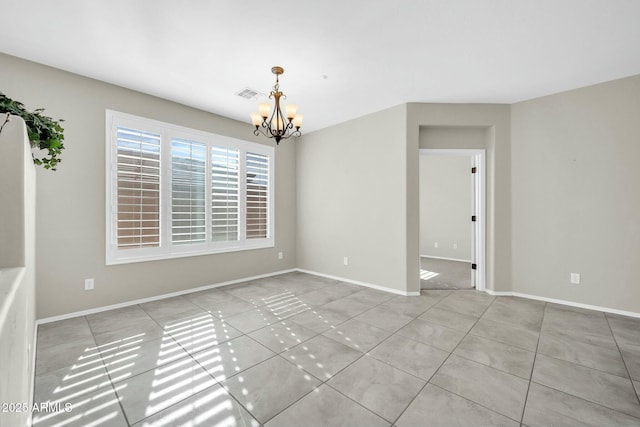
{"x": 289, "y": 126}
{"x": 284, "y": 117}
{"x": 258, "y": 131}
{"x": 267, "y": 130}
{"x": 280, "y": 119}
{"x": 281, "y": 122}
{"x": 289, "y": 135}
{"x": 267, "y": 123}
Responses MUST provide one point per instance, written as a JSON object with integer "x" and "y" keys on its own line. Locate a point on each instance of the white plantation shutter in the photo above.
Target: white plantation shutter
{"x": 225, "y": 194}
{"x": 257, "y": 196}
{"x": 137, "y": 188}
{"x": 188, "y": 175}
{"x": 176, "y": 192}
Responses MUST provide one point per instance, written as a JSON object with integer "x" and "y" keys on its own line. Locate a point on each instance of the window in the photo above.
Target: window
{"x": 174, "y": 191}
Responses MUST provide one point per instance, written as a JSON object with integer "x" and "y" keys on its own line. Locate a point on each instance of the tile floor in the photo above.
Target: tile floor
{"x": 297, "y": 349}
{"x": 444, "y": 274}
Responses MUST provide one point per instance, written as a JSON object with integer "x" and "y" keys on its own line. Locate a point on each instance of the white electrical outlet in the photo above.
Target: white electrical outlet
{"x": 346, "y": 260}
{"x": 88, "y": 284}
{"x": 455, "y": 246}
{"x": 575, "y": 278}
{"x": 280, "y": 255}
{"x": 435, "y": 245}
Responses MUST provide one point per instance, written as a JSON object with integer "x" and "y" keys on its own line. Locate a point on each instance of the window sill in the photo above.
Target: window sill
{"x": 176, "y": 255}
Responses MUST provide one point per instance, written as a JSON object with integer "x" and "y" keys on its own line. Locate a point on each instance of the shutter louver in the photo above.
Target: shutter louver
{"x": 188, "y": 174}
{"x": 138, "y": 189}
{"x": 225, "y": 194}
{"x": 257, "y": 196}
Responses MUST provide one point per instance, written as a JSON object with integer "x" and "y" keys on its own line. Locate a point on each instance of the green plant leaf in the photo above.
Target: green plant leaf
{"x": 44, "y": 132}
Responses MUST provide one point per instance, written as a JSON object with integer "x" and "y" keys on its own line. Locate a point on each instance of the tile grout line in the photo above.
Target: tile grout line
{"x": 455, "y": 348}
{"x": 324, "y": 382}
{"x": 582, "y": 398}
{"x": 586, "y": 366}
{"x": 373, "y": 348}
{"x": 589, "y": 367}
{"x": 365, "y": 353}
{"x": 111, "y": 383}
{"x": 97, "y": 348}
{"x": 445, "y": 361}
{"x": 588, "y": 401}
{"x": 427, "y": 382}
{"x": 237, "y": 373}
{"x": 624, "y": 362}
{"x": 533, "y": 366}
{"x": 219, "y": 383}
{"x": 111, "y": 380}
{"x": 243, "y": 334}
{"x": 216, "y": 318}
{"x": 189, "y": 355}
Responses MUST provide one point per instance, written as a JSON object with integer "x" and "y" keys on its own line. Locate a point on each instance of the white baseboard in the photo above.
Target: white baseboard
{"x": 357, "y": 282}
{"x": 499, "y": 293}
{"x": 445, "y": 258}
{"x": 158, "y": 297}
{"x": 276, "y": 273}
{"x": 564, "y": 302}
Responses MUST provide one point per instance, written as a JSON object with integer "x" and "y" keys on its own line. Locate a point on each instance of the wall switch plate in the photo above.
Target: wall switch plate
{"x": 346, "y": 260}
{"x": 88, "y": 284}
{"x": 280, "y": 255}
{"x": 575, "y": 278}
{"x": 435, "y": 245}
{"x": 455, "y": 246}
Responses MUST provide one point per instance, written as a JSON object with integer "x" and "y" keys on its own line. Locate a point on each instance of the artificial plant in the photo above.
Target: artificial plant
{"x": 44, "y": 132}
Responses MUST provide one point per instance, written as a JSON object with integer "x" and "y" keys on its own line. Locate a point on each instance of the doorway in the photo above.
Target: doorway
{"x": 452, "y": 218}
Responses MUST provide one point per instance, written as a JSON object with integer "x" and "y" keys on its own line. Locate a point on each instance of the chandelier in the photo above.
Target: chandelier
{"x": 275, "y": 124}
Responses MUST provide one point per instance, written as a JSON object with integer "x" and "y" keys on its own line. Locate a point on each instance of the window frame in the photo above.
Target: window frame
{"x": 166, "y": 249}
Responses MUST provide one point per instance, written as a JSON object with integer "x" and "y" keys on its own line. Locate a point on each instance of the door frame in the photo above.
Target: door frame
{"x": 478, "y": 160}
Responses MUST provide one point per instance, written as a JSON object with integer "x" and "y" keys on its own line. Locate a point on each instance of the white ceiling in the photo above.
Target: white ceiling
{"x": 376, "y": 54}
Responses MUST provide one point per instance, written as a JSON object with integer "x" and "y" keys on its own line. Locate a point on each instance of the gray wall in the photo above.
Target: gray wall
{"x": 351, "y": 199}
{"x": 453, "y": 137}
{"x": 445, "y": 206}
{"x": 576, "y": 195}
{"x": 574, "y": 206}
{"x": 71, "y": 201}
{"x": 471, "y": 126}
{"x": 347, "y": 205}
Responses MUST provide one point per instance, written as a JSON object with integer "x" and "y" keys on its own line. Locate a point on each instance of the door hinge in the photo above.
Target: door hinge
{"x": 473, "y": 218}
{"x": 474, "y": 169}
{"x": 474, "y": 266}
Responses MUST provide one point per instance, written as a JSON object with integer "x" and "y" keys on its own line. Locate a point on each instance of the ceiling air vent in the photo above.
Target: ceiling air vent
{"x": 250, "y": 94}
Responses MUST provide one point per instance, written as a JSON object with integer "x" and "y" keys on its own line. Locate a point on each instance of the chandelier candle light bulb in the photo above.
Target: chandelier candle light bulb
{"x": 274, "y": 124}
{"x": 291, "y": 111}
{"x": 256, "y": 119}
{"x": 264, "y": 109}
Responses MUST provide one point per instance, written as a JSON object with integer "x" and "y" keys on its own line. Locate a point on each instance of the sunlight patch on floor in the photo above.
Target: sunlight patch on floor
{"x": 426, "y": 274}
